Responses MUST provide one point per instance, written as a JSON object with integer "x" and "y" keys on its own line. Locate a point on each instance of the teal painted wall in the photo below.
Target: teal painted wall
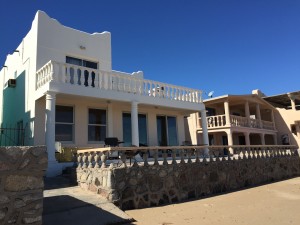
{"x": 14, "y": 112}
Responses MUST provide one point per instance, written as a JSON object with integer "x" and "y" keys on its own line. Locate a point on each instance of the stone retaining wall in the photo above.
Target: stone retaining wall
{"x": 152, "y": 185}
{"x": 21, "y": 184}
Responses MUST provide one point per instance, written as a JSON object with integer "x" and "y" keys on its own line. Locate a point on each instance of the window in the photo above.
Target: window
{"x": 127, "y": 131}
{"x": 64, "y": 123}
{"x": 166, "y": 130}
{"x": 97, "y": 125}
{"x": 81, "y": 62}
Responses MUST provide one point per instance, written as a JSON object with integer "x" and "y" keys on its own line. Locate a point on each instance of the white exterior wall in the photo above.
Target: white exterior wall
{"x": 56, "y": 41}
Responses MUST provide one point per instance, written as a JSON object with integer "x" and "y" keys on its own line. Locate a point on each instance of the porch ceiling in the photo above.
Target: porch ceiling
{"x": 283, "y": 100}
{"x": 142, "y": 106}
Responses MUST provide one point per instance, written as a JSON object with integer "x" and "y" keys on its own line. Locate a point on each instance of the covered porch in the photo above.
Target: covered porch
{"x": 239, "y": 136}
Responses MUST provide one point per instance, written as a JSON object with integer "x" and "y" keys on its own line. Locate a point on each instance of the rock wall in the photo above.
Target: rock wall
{"x": 21, "y": 184}
{"x": 152, "y": 185}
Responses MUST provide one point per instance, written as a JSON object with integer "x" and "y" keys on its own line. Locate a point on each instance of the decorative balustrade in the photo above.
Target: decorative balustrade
{"x": 254, "y": 123}
{"x": 268, "y": 125}
{"x": 219, "y": 121}
{"x": 147, "y": 156}
{"x": 216, "y": 121}
{"x": 238, "y": 121}
{"x": 116, "y": 81}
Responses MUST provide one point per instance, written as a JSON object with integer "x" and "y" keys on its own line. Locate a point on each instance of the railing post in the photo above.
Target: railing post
{"x": 103, "y": 159}
{"x": 165, "y": 161}
{"x": 79, "y": 160}
{"x": 145, "y": 158}
{"x": 90, "y": 160}
{"x": 123, "y": 159}
{"x": 174, "y": 157}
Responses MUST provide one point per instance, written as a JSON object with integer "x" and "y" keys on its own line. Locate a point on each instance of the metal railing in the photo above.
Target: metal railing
{"x": 11, "y": 136}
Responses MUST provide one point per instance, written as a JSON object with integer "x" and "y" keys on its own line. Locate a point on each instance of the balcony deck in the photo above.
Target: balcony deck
{"x": 114, "y": 82}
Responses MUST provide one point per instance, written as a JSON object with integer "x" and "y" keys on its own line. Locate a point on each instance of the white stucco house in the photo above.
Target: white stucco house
{"x": 59, "y": 85}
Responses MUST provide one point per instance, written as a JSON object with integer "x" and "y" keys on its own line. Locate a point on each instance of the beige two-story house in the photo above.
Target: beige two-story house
{"x": 236, "y": 120}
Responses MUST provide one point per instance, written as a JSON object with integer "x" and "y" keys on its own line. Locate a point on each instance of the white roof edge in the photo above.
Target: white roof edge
{"x": 40, "y": 13}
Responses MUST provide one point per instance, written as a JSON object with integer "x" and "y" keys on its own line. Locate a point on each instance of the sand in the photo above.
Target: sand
{"x": 272, "y": 204}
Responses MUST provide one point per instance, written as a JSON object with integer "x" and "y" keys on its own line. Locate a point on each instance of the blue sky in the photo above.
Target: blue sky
{"x": 229, "y": 46}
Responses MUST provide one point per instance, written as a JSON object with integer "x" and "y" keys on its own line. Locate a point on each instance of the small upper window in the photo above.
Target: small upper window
{"x": 81, "y": 62}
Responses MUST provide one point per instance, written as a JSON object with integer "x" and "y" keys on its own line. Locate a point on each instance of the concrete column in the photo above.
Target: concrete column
{"x": 50, "y": 125}
{"x": 247, "y": 113}
{"x": 204, "y": 130}
{"x": 53, "y": 167}
{"x": 227, "y": 113}
{"x": 134, "y": 124}
{"x": 110, "y": 121}
{"x": 247, "y": 138}
{"x": 204, "y": 127}
{"x": 230, "y": 140}
{"x": 262, "y": 138}
{"x": 258, "y": 115}
{"x": 293, "y": 103}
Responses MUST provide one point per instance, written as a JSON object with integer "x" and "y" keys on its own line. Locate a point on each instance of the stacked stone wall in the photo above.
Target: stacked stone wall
{"x": 21, "y": 184}
{"x": 153, "y": 185}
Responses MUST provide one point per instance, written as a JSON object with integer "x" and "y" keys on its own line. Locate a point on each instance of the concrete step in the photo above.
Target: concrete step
{"x": 74, "y": 206}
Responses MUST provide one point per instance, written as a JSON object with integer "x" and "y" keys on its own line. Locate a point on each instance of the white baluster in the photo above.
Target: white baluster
{"x": 151, "y": 89}
{"x": 100, "y": 76}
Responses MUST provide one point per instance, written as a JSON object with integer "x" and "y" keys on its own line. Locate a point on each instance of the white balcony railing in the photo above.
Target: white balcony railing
{"x": 238, "y": 121}
{"x": 254, "y": 123}
{"x": 216, "y": 121}
{"x": 219, "y": 121}
{"x": 268, "y": 125}
{"x": 116, "y": 81}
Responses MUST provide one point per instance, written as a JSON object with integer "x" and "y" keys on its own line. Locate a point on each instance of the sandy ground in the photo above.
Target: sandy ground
{"x": 273, "y": 204}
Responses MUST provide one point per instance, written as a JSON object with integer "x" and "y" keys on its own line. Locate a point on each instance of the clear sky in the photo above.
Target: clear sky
{"x": 229, "y": 46}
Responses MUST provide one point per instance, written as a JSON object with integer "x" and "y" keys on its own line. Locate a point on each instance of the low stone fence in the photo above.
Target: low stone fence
{"x": 21, "y": 184}
{"x": 173, "y": 174}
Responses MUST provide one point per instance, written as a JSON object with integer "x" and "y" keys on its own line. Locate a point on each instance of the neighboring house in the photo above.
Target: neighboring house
{"x": 60, "y": 85}
{"x": 287, "y": 116}
{"x": 236, "y": 120}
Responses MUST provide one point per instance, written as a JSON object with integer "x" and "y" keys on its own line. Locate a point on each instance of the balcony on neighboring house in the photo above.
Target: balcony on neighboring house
{"x": 115, "y": 84}
{"x": 219, "y": 121}
{"x": 238, "y": 111}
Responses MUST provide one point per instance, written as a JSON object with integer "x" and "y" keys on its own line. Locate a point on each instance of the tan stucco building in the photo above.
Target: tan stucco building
{"x": 249, "y": 120}
{"x": 287, "y": 116}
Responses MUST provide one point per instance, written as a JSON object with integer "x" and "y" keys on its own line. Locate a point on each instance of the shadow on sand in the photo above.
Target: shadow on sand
{"x": 68, "y": 210}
